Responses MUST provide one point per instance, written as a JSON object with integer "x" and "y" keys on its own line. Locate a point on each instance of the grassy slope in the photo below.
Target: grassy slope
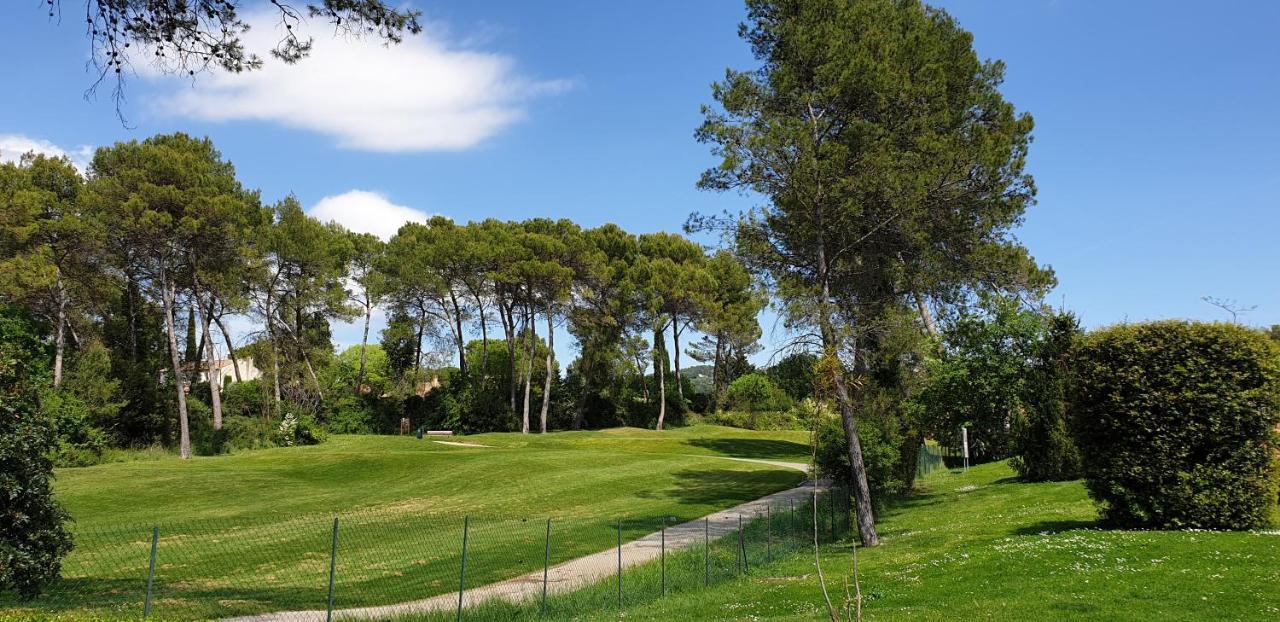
{"x": 980, "y": 545}
{"x": 250, "y": 532}
{"x": 611, "y": 472}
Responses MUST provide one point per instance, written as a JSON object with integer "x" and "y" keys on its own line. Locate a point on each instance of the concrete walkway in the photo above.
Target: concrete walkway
{"x": 575, "y": 573}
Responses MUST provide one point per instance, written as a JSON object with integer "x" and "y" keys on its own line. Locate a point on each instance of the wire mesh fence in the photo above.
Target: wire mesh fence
{"x": 402, "y": 565}
{"x": 929, "y": 459}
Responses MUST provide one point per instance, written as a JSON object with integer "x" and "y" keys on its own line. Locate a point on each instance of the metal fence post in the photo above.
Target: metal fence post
{"x": 619, "y": 564}
{"x": 664, "y": 555}
{"x": 791, "y": 524}
{"x": 742, "y": 549}
{"x": 706, "y": 552}
{"x": 151, "y": 571}
{"x": 546, "y": 567}
{"x": 462, "y": 574}
{"x": 333, "y": 566}
{"x": 768, "y": 533}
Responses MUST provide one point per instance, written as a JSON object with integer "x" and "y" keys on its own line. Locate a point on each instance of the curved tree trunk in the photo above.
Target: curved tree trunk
{"x": 275, "y": 355}
{"x": 184, "y": 430}
{"x": 211, "y": 361}
{"x": 60, "y": 333}
{"x": 459, "y": 337}
{"x": 231, "y": 347}
{"x": 546, "y": 385}
{"x": 675, "y": 343}
{"x": 926, "y": 316}
{"x": 528, "y": 368}
{"x": 659, "y": 368}
{"x": 364, "y": 345}
{"x": 507, "y": 316}
{"x": 862, "y": 491}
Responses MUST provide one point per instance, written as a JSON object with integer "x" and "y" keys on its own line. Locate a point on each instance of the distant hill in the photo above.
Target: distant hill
{"x": 699, "y": 377}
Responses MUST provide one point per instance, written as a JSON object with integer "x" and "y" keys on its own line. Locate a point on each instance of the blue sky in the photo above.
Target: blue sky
{"x": 1155, "y": 147}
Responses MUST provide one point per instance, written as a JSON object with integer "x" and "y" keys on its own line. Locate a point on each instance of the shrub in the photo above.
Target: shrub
{"x": 1175, "y": 421}
{"x": 298, "y": 430}
{"x": 33, "y": 536}
{"x": 1046, "y": 451}
{"x": 349, "y": 414}
{"x": 794, "y": 374}
{"x": 881, "y": 451}
{"x": 768, "y": 420}
{"x": 249, "y": 398}
{"x": 79, "y": 442}
{"x": 754, "y": 392}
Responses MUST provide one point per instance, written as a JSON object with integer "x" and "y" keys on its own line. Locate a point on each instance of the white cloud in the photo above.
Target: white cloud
{"x": 14, "y": 146}
{"x": 424, "y": 94}
{"x": 366, "y": 212}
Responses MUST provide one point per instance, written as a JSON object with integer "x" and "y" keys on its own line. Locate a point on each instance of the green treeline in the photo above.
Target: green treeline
{"x": 141, "y": 270}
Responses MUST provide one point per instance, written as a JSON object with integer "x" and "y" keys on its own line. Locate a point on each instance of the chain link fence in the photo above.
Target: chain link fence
{"x": 393, "y": 564}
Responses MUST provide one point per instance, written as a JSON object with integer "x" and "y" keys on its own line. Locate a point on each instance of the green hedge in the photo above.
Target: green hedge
{"x": 1176, "y": 424}
{"x": 755, "y": 392}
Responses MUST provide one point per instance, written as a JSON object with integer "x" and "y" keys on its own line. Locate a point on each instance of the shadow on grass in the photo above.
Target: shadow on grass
{"x": 724, "y": 487}
{"x": 760, "y": 448}
{"x": 1055, "y": 526}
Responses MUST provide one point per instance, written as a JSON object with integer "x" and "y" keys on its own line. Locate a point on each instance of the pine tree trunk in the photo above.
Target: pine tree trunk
{"x": 926, "y": 316}
{"x": 231, "y": 348}
{"x": 484, "y": 341}
{"x": 546, "y": 385}
{"x": 184, "y": 430}
{"x": 863, "y": 509}
{"x": 675, "y": 342}
{"x": 659, "y": 338}
{"x": 275, "y": 355}
{"x": 528, "y": 368}
{"x": 861, "y": 490}
{"x": 644, "y": 384}
{"x": 417, "y": 348}
{"x": 215, "y": 377}
{"x": 364, "y": 344}
{"x": 459, "y": 338}
{"x": 510, "y": 315}
{"x": 60, "y": 333}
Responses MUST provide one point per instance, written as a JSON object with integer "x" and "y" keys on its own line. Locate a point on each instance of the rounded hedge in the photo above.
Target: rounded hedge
{"x": 1176, "y": 424}
{"x": 755, "y": 392}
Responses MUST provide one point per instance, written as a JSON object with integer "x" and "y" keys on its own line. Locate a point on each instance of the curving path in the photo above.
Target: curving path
{"x": 575, "y": 573}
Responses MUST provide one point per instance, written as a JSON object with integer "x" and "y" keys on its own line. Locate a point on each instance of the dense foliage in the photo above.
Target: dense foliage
{"x": 144, "y": 353}
{"x": 1046, "y": 451}
{"x": 892, "y": 170}
{"x": 33, "y": 538}
{"x": 755, "y": 392}
{"x": 982, "y": 376}
{"x": 1176, "y": 423}
{"x": 881, "y": 447}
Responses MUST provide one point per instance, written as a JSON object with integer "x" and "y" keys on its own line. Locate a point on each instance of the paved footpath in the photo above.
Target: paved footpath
{"x": 575, "y": 573}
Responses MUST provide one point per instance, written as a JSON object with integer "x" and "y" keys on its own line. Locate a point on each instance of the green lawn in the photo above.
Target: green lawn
{"x": 981, "y": 545}
{"x": 251, "y": 532}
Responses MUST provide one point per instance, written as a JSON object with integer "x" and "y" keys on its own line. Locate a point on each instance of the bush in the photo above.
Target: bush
{"x": 881, "y": 452}
{"x": 1046, "y": 451}
{"x": 79, "y": 442}
{"x": 794, "y": 374}
{"x": 772, "y": 420}
{"x": 297, "y": 430}
{"x": 350, "y": 414}
{"x": 249, "y": 398}
{"x": 1176, "y": 421}
{"x": 33, "y": 535}
{"x": 756, "y": 393}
